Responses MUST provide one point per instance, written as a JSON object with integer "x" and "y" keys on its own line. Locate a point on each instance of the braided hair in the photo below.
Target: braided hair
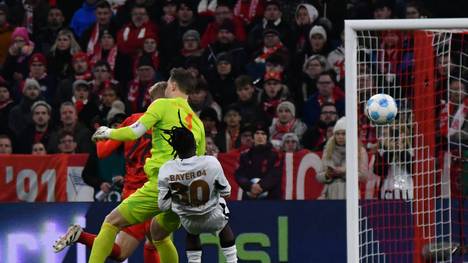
{"x": 181, "y": 139}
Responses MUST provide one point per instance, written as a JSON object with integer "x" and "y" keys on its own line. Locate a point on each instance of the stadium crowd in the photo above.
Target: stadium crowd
{"x": 272, "y": 67}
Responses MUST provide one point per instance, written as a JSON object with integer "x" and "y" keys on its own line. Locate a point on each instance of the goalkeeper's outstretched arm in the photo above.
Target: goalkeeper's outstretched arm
{"x": 134, "y": 131}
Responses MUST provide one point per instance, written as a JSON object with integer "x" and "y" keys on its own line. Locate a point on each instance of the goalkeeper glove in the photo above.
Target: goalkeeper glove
{"x": 101, "y": 133}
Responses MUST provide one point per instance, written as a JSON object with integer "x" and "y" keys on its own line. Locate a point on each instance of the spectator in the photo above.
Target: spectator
{"x": 273, "y": 93}
{"x": 286, "y": 122}
{"x": 458, "y": 100}
{"x": 191, "y": 49}
{"x": 305, "y": 17}
{"x": 138, "y": 96}
{"x": 246, "y": 138}
{"x": 117, "y": 61}
{"x": 210, "y": 120}
{"x": 117, "y": 107}
{"x": 336, "y": 59}
{"x": 201, "y": 99}
{"x": 38, "y": 148}
{"x": 248, "y": 11}
{"x": 21, "y": 48}
{"x": 272, "y": 18}
{"x": 169, "y": 12}
{"x": 131, "y": 36}
{"x": 211, "y": 148}
{"x": 317, "y": 135}
{"x": 20, "y": 115}
{"x": 414, "y": 10}
{"x": 5, "y": 34}
{"x": 45, "y": 38}
{"x": 221, "y": 81}
{"x": 317, "y": 44}
{"x": 34, "y": 16}
{"x": 38, "y": 71}
{"x": 102, "y": 78}
{"x": 227, "y": 43}
{"x": 69, "y": 123}
{"x": 67, "y": 143}
{"x": 272, "y": 45}
{"x": 312, "y": 68}
{"x": 90, "y": 39}
{"x": 101, "y": 173}
{"x": 85, "y": 103}
{"x": 171, "y": 43}
{"x": 39, "y": 130}
{"x": 5, "y": 144}
{"x": 228, "y": 137}
{"x": 150, "y": 49}
{"x": 6, "y": 104}
{"x": 84, "y": 17}
{"x": 393, "y": 163}
{"x": 81, "y": 71}
{"x": 247, "y": 100}
{"x": 223, "y": 15}
{"x": 61, "y": 52}
{"x": 110, "y": 94}
{"x": 334, "y": 164}
{"x": 383, "y": 9}
{"x": 327, "y": 91}
{"x": 290, "y": 143}
{"x": 260, "y": 169}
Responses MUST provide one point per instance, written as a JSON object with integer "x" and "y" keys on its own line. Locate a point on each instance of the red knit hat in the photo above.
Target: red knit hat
{"x": 38, "y": 57}
{"x": 80, "y": 55}
{"x": 272, "y": 75}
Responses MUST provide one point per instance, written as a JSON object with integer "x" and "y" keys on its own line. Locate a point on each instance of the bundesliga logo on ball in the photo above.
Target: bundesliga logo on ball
{"x": 381, "y": 109}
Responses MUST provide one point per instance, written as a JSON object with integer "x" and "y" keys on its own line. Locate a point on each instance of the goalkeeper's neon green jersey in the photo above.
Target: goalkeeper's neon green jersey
{"x": 162, "y": 114}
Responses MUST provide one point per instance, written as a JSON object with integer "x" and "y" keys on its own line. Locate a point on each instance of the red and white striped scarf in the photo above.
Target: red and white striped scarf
{"x": 93, "y": 40}
{"x": 459, "y": 118}
{"x": 238, "y": 11}
{"x": 134, "y": 94}
{"x": 268, "y": 52}
{"x": 111, "y": 57}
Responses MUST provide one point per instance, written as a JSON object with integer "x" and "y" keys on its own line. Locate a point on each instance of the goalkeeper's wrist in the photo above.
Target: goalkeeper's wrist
{"x": 108, "y": 133}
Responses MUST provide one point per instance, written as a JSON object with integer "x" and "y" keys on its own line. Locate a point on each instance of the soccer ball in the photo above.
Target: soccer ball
{"x": 381, "y": 109}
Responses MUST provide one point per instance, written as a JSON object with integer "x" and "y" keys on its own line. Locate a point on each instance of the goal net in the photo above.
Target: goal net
{"x": 411, "y": 208}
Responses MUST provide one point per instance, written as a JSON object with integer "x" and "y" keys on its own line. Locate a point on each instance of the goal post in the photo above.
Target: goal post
{"x": 415, "y": 226}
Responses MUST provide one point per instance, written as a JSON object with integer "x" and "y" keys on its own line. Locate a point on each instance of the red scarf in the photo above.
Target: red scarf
{"x": 284, "y": 128}
{"x": 85, "y": 76}
{"x": 93, "y": 40}
{"x": 267, "y": 52}
{"x": 232, "y": 138}
{"x": 134, "y": 95}
{"x": 247, "y": 14}
{"x": 111, "y": 57}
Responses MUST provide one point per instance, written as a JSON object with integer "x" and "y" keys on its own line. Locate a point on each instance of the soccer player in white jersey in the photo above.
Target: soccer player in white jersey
{"x": 194, "y": 187}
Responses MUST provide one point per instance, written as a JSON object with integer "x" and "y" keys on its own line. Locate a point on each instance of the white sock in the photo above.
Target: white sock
{"x": 194, "y": 256}
{"x": 230, "y": 253}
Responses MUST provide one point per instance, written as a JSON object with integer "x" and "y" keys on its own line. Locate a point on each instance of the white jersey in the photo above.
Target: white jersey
{"x": 193, "y": 186}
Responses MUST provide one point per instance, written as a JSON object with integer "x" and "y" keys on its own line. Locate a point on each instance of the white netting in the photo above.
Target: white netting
{"x": 410, "y": 218}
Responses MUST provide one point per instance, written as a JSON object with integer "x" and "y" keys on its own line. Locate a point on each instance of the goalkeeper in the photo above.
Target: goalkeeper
{"x": 161, "y": 115}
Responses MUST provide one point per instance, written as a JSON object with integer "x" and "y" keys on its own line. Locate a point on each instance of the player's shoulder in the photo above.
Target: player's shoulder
{"x": 167, "y": 166}
{"x": 210, "y": 160}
